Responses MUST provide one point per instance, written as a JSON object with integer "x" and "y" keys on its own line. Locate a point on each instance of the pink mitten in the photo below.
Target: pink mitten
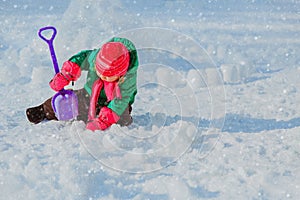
{"x": 69, "y": 72}
{"x": 106, "y": 118}
{"x": 96, "y": 124}
{"x": 58, "y": 82}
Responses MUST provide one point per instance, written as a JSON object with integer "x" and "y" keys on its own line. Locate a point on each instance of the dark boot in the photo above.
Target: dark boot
{"x": 39, "y": 113}
{"x": 35, "y": 114}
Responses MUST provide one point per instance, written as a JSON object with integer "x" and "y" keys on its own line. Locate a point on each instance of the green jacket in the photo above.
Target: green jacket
{"x": 86, "y": 60}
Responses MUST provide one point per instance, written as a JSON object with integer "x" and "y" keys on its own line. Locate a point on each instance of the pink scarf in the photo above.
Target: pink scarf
{"x": 111, "y": 89}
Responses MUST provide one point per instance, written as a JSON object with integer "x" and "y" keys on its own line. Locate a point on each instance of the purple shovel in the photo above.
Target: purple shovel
{"x": 64, "y": 102}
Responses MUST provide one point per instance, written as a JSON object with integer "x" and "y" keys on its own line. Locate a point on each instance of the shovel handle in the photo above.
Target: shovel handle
{"x": 50, "y": 44}
{"x": 45, "y": 29}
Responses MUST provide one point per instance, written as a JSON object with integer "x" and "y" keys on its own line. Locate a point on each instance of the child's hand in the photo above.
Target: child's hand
{"x": 106, "y": 118}
{"x": 96, "y": 124}
{"x": 58, "y": 82}
{"x": 69, "y": 72}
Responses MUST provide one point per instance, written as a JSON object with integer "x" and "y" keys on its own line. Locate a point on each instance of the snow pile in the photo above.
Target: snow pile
{"x": 153, "y": 149}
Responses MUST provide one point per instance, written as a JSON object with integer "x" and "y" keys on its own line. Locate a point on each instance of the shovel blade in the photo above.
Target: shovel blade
{"x": 65, "y": 105}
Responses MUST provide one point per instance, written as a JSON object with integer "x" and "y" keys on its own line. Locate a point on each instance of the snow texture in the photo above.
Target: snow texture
{"x": 216, "y": 115}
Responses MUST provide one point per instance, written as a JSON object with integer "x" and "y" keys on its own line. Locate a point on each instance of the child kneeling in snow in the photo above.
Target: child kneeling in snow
{"x": 110, "y": 88}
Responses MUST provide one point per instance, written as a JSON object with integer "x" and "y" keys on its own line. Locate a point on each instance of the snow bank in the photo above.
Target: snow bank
{"x": 154, "y": 149}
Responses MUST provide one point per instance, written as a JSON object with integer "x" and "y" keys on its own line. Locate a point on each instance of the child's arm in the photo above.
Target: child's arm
{"x": 70, "y": 71}
{"x": 81, "y": 59}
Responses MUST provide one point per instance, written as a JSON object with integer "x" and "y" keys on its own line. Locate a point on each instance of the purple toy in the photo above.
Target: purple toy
{"x": 64, "y": 102}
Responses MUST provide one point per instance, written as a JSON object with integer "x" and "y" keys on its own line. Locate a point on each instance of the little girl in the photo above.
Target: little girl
{"x": 109, "y": 90}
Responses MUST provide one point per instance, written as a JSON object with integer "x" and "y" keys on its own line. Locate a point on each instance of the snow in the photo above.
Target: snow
{"x": 216, "y": 115}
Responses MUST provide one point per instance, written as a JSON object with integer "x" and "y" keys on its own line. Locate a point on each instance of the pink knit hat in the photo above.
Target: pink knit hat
{"x": 112, "y": 59}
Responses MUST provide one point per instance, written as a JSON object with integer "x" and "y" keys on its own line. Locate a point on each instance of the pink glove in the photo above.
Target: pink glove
{"x": 69, "y": 72}
{"x": 59, "y": 82}
{"x": 106, "y": 118}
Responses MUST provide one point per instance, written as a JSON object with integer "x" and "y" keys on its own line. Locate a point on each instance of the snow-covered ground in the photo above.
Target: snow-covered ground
{"x": 216, "y": 116}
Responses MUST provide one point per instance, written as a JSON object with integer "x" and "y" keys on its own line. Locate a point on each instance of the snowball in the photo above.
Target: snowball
{"x": 196, "y": 78}
{"x": 230, "y": 73}
{"x": 169, "y": 77}
{"x": 213, "y": 77}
